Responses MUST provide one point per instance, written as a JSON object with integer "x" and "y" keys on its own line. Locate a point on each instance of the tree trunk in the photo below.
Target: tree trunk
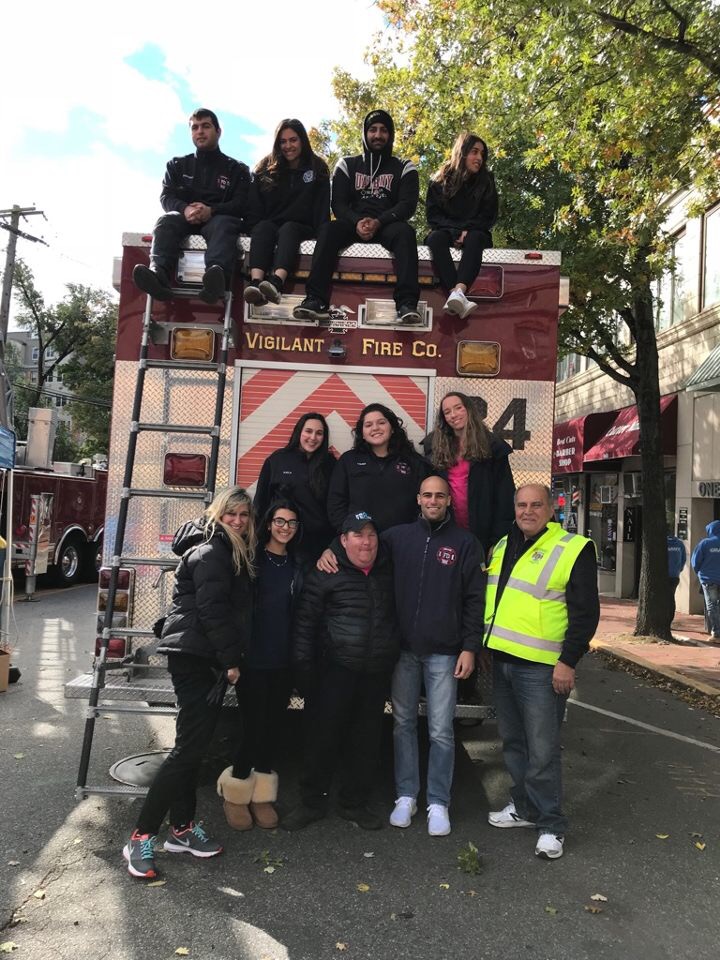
{"x": 654, "y": 601}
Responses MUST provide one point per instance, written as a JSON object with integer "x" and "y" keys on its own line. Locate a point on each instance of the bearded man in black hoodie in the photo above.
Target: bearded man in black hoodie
{"x": 373, "y": 196}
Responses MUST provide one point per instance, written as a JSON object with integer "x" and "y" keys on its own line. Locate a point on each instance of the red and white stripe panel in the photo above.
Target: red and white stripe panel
{"x": 272, "y": 401}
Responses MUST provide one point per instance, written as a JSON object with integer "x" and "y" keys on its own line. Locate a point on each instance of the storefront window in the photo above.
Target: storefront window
{"x": 711, "y": 259}
{"x": 671, "y": 293}
{"x": 602, "y": 517}
{"x": 670, "y": 500}
{"x": 567, "y": 501}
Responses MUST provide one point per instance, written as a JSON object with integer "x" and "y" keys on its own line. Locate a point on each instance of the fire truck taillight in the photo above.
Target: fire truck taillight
{"x": 117, "y": 647}
{"x": 123, "y": 578}
{"x": 478, "y": 358}
{"x": 533, "y": 256}
{"x": 185, "y": 469}
{"x": 192, "y": 344}
{"x": 122, "y": 608}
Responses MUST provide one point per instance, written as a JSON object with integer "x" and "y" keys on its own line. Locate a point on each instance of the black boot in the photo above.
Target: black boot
{"x": 213, "y": 288}
{"x": 152, "y": 280}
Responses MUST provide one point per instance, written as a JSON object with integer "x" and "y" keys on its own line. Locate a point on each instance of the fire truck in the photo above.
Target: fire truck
{"x": 204, "y": 394}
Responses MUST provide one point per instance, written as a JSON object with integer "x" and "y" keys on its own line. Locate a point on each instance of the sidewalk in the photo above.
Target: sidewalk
{"x": 694, "y": 662}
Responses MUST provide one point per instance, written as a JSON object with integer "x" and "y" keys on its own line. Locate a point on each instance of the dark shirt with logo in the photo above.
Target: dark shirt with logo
{"x": 209, "y": 177}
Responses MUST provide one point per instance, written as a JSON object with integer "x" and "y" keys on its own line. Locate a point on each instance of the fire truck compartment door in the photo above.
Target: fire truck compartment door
{"x": 271, "y": 400}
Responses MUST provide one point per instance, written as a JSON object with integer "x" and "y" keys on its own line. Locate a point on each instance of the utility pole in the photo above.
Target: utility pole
{"x": 13, "y": 229}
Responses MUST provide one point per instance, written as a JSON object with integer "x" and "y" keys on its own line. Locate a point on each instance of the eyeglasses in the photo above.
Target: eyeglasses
{"x": 282, "y": 522}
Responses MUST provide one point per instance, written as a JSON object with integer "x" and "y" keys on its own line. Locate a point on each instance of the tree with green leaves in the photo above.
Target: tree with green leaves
{"x": 594, "y": 116}
{"x": 76, "y": 337}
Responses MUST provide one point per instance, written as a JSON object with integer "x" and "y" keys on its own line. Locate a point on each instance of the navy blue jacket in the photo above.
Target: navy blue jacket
{"x": 706, "y": 555}
{"x": 677, "y": 556}
{"x": 439, "y": 586}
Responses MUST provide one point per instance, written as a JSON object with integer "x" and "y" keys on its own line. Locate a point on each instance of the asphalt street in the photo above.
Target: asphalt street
{"x": 642, "y": 779}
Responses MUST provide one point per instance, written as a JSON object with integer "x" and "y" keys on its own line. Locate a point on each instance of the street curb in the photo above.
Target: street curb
{"x": 664, "y": 671}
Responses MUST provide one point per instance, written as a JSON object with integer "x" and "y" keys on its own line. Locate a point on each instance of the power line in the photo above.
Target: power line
{"x": 43, "y": 391}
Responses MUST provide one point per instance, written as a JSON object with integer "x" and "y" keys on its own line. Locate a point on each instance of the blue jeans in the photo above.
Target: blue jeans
{"x": 712, "y": 605}
{"x": 441, "y": 689}
{"x": 529, "y": 715}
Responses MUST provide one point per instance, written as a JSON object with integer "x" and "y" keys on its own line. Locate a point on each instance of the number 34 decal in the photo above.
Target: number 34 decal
{"x": 510, "y": 425}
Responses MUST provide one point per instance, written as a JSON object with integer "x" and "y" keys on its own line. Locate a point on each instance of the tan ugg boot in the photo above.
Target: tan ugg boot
{"x": 264, "y": 795}
{"x": 236, "y": 796}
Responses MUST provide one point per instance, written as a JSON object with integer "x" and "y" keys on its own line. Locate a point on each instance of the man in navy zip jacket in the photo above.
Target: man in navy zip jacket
{"x": 706, "y": 564}
{"x": 677, "y": 558}
{"x": 440, "y": 598}
{"x": 205, "y": 192}
{"x": 374, "y": 195}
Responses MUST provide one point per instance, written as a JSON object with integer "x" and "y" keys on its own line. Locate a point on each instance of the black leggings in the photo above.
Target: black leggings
{"x": 277, "y": 246}
{"x": 467, "y": 270}
{"x": 263, "y": 697}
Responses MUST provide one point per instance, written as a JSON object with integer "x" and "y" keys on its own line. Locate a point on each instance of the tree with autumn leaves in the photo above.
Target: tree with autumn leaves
{"x": 595, "y": 115}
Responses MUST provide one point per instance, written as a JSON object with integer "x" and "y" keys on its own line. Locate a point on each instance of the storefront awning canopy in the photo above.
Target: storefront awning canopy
{"x": 572, "y": 437}
{"x": 622, "y": 438}
{"x": 707, "y": 375}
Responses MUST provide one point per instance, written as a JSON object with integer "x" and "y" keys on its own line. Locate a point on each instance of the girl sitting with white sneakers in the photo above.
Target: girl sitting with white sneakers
{"x": 461, "y": 207}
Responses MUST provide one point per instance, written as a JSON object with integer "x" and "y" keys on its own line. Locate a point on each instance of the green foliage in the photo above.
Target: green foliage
{"x": 469, "y": 859}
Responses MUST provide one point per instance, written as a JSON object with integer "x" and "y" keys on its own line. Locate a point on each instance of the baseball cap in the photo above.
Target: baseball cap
{"x": 356, "y": 521}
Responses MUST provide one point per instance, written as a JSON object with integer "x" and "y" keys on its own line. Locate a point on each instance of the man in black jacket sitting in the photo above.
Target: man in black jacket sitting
{"x": 205, "y": 192}
{"x": 345, "y": 647}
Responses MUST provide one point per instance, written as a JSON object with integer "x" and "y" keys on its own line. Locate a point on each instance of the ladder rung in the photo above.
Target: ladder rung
{"x": 181, "y": 365}
{"x": 170, "y": 563}
{"x": 121, "y": 790}
{"x": 169, "y": 494}
{"x": 101, "y": 709}
{"x": 129, "y": 632}
{"x": 192, "y": 292}
{"x": 174, "y": 428}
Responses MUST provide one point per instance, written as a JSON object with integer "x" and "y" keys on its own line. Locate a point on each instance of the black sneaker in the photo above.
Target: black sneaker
{"x": 139, "y": 852}
{"x": 192, "y": 839}
{"x": 213, "y": 288}
{"x": 253, "y": 294}
{"x": 153, "y": 281}
{"x": 408, "y": 314}
{"x": 311, "y": 309}
{"x": 302, "y": 816}
{"x": 364, "y": 817}
{"x": 271, "y": 288}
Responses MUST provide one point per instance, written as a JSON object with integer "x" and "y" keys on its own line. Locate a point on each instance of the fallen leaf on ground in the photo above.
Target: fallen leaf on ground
{"x": 39, "y": 894}
{"x": 551, "y": 910}
{"x": 363, "y": 887}
{"x": 700, "y": 846}
{"x": 698, "y": 835}
{"x": 77, "y": 840}
{"x": 340, "y": 946}
{"x": 8, "y": 946}
{"x": 472, "y": 893}
{"x": 13, "y": 863}
{"x": 269, "y": 870}
{"x": 182, "y": 952}
{"x": 157, "y": 883}
{"x": 662, "y": 836}
{"x": 599, "y": 896}
{"x": 368, "y": 855}
{"x": 591, "y": 908}
{"x": 19, "y": 756}
{"x": 444, "y": 886}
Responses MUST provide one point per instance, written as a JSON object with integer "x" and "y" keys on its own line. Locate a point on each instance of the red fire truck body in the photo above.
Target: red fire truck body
{"x": 504, "y": 354}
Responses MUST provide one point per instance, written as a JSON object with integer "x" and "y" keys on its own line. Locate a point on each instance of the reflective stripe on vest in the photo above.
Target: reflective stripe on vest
{"x": 531, "y": 620}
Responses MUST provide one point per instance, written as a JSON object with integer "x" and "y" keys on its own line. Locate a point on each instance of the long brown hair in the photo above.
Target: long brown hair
{"x": 453, "y": 174}
{"x": 270, "y": 168}
{"x": 243, "y": 545}
{"x": 445, "y": 447}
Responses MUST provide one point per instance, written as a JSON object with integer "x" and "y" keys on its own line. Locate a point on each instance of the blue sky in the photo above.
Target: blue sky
{"x": 103, "y": 104}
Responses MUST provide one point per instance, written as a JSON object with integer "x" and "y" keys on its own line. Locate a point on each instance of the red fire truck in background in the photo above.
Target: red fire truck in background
{"x": 277, "y": 368}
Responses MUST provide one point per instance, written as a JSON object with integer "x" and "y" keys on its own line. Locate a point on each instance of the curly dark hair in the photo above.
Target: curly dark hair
{"x": 399, "y": 441}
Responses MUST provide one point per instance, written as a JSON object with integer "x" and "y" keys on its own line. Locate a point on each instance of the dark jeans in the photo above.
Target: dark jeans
{"x": 175, "y": 783}
{"x": 220, "y": 233}
{"x": 529, "y": 716}
{"x": 398, "y": 237}
{"x": 283, "y": 241}
{"x": 263, "y": 697}
{"x": 344, "y": 714}
{"x": 467, "y": 270}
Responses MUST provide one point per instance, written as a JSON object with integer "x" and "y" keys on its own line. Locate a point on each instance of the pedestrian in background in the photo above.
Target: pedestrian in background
{"x": 677, "y": 558}
{"x": 706, "y": 564}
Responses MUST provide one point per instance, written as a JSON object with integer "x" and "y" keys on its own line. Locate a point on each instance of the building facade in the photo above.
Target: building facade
{"x": 596, "y": 462}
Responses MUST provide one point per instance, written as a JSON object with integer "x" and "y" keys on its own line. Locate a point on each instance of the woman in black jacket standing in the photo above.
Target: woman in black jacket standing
{"x": 289, "y": 201}
{"x": 301, "y": 472}
{"x": 204, "y": 636}
{"x": 477, "y": 469}
{"x": 249, "y": 787}
{"x": 461, "y": 207}
{"x": 380, "y": 475}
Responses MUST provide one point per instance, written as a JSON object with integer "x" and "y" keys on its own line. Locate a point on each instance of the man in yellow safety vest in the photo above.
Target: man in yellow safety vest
{"x": 541, "y": 611}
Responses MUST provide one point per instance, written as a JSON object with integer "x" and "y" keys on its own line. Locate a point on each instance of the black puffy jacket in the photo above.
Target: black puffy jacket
{"x": 211, "y": 611}
{"x": 491, "y": 495}
{"x": 348, "y": 618}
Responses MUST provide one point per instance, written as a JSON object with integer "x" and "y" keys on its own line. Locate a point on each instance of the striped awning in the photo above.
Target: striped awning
{"x": 707, "y": 375}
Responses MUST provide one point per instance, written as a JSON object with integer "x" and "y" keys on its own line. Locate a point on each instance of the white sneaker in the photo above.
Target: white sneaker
{"x": 405, "y": 810}
{"x": 507, "y": 817}
{"x": 549, "y": 847}
{"x": 459, "y": 304}
{"x": 438, "y": 820}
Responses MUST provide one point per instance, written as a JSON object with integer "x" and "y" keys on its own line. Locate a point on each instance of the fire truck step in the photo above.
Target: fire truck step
{"x": 132, "y": 632}
{"x": 168, "y": 494}
{"x": 193, "y": 293}
{"x": 168, "y": 562}
{"x": 176, "y": 428}
{"x": 180, "y": 365}
{"x": 103, "y": 709}
{"x": 119, "y": 790}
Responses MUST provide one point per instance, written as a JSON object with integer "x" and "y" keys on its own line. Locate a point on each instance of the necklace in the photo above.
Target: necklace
{"x": 271, "y": 558}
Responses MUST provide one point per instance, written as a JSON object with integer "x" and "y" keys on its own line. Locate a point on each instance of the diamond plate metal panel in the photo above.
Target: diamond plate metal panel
{"x": 171, "y": 397}
{"x": 532, "y": 463}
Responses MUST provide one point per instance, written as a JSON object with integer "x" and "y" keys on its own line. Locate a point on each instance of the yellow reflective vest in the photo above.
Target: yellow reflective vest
{"x": 531, "y": 619}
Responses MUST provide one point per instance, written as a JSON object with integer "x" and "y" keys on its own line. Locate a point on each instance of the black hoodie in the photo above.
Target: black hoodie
{"x": 376, "y": 185}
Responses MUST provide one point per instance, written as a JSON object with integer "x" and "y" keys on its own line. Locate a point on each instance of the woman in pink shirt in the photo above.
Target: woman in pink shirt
{"x": 476, "y": 466}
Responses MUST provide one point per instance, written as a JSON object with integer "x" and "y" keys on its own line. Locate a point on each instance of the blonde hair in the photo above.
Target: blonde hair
{"x": 445, "y": 447}
{"x": 243, "y": 545}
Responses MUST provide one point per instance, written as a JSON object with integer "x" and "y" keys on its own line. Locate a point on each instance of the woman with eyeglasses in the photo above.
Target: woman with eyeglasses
{"x": 289, "y": 201}
{"x": 301, "y": 473}
{"x": 204, "y": 636}
{"x": 249, "y": 787}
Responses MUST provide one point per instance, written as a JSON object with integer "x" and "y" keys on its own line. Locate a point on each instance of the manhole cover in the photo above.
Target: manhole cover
{"x": 140, "y": 770}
